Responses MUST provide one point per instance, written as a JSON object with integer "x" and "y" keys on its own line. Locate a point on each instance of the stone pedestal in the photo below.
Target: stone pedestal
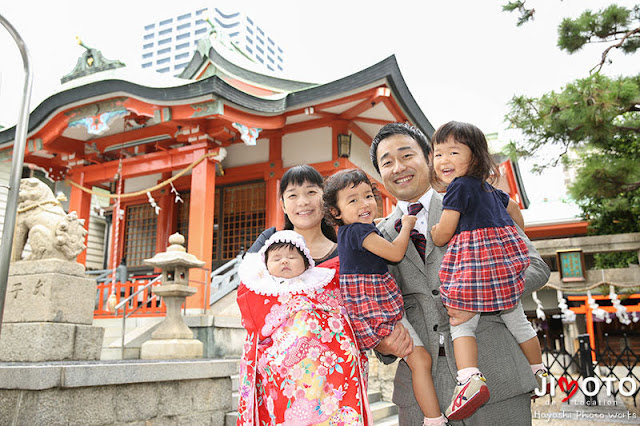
{"x": 48, "y": 313}
{"x": 172, "y": 339}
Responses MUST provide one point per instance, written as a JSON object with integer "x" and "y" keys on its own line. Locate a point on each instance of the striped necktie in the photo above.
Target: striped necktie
{"x": 418, "y": 238}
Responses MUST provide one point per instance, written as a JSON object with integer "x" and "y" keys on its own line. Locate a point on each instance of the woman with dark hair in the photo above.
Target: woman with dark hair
{"x": 301, "y": 189}
{"x": 314, "y": 348}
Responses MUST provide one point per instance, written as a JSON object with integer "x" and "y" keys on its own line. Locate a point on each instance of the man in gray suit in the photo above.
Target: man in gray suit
{"x": 401, "y": 154}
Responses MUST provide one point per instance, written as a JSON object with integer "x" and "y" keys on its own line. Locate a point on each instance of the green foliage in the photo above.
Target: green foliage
{"x": 597, "y": 120}
{"x": 614, "y": 260}
{"x": 609, "y": 24}
{"x": 525, "y": 14}
{"x": 594, "y": 111}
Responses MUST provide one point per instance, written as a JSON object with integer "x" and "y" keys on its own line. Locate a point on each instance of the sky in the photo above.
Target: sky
{"x": 461, "y": 59}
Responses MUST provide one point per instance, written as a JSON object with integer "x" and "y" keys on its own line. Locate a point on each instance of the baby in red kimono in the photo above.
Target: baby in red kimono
{"x": 301, "y": 364}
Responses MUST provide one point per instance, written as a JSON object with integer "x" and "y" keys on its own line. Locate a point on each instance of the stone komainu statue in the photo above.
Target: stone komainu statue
{"x": 40, "y": 220}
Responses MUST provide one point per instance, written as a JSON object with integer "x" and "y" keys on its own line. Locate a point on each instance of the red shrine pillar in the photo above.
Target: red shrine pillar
{"x": 274, "y": 213}
{"x": 80, "y": 202}
{"x": 166, "y": 216}
{"x": 201, "y": 210}
{"x": 274, "y": 216}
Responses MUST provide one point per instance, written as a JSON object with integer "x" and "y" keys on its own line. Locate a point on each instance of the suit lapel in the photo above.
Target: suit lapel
{"x": 435, "y": 211}
{"x": 389, "y": 227}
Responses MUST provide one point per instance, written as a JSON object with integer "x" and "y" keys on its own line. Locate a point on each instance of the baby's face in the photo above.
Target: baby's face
{"x": 285, "y": 262}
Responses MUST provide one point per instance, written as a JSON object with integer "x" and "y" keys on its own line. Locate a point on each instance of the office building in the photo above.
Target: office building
{"x": 168, "y": 44}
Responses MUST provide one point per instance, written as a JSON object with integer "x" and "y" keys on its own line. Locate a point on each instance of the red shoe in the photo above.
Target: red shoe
{"x": 468, "y": 397}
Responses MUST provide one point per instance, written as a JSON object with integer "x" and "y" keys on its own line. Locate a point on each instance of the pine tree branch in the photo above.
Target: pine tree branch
{"x": 631, "y": 187}
{"x": 617, "y": 46}
{"x": 631, "y": 129}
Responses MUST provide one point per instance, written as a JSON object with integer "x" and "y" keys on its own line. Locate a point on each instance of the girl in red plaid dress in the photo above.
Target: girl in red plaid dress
{"x": 371, "y": 295}
{"x": 483, "y": 269}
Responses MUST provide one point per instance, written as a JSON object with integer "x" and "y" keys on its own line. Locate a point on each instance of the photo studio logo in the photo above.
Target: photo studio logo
{"x": 590, "y": 386}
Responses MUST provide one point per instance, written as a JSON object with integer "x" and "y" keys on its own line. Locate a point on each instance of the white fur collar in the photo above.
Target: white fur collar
{"x": 254, "y": 275}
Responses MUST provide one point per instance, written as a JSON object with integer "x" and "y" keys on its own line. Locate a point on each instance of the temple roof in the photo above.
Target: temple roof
{"x": 91, "y": 61}
{"x": 214, "y": 57}
{"x": 384, "y": 72}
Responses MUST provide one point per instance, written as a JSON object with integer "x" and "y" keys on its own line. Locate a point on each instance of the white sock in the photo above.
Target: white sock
{"x": 536, "y": 367}
{"x": 466, "y": 373}
{"x": 435, "y": 421}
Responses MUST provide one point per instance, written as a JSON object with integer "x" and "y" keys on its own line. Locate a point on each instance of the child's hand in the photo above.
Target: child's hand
{"x": 434, "y": 230}
{"x": 408, "y": 221}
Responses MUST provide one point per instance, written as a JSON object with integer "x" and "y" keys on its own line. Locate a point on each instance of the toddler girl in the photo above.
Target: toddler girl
{"x": 300, "y": 363}
{"x": 483, "y": 269}
{"x": 371, "y": 295}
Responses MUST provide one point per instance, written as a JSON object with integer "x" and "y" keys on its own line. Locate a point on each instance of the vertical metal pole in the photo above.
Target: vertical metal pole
{"x": 586, "y": 366}
{"x": 16, "y": 166}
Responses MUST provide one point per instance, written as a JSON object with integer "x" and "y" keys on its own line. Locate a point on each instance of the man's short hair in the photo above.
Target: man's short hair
{"x": 398, "y": 129}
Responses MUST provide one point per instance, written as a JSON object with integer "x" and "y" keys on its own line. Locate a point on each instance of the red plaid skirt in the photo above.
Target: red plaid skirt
{"x": 374, "y": 304}
{"x": 483, "y": 270}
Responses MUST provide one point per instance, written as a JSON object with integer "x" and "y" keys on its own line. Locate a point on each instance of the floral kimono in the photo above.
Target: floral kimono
{"x": 301, "y": 364}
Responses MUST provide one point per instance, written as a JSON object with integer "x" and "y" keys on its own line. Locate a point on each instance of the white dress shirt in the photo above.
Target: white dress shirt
{"x": 423, "y": 215}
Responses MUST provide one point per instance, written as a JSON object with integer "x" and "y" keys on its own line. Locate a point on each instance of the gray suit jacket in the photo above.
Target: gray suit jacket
{"x": 499, "y": 356}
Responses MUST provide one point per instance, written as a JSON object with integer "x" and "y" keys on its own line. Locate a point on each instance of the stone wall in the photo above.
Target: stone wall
{"x": 188, "y": 392}
{"x": 381, "y": 376}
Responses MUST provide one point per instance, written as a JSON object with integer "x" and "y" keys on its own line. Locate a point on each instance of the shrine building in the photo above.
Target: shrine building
{"x": 202, "y": 153}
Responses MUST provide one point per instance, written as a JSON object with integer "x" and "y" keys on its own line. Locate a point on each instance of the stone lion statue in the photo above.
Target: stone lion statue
{"x": 40, "y": 220}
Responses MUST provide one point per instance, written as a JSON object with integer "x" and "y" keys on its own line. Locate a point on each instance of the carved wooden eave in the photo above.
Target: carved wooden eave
{"x": 97, "y": 122}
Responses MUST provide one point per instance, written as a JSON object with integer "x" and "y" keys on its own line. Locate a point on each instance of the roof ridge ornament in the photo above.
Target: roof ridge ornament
{"x": 90, "y": 62}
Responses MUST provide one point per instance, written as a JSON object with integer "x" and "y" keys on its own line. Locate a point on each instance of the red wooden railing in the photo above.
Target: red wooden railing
{"x": 156, "y": 307}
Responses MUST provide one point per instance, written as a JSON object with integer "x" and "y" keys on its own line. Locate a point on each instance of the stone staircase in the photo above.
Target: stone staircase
{"x": 384, "y": 413}
{"x": 138, "y": 330}
{"x": 220, "y": 331}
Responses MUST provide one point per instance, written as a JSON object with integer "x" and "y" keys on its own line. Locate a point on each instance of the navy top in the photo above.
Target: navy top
{"x": 355, "y": 259}
{"x": 480, "y": 204}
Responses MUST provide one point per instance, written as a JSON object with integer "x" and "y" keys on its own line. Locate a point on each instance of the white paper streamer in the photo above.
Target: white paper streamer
{"x": 153, "y": 203}
{"x": 539, "y": 308}
{"x": 598, "y": 312}
{"x": 177, "y": 195}
{"x": 621, "y": 310}
{"x": 567, "y": 314}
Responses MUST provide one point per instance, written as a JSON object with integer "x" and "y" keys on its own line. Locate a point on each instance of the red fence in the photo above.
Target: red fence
{"x": 155, "y": 307}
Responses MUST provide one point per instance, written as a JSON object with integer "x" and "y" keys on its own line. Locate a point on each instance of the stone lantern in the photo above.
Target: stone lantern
{"x": 173, "y": 339}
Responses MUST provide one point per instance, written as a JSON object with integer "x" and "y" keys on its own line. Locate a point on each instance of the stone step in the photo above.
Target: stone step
{"x": 109, "y": 354}
{"x": 382, "y": 410}
{"x": 235, "y": 380}
{"x": 235, "y": 396}
{"x": 113, "y": 326}
{"x": 134, "y": 338}
{"x": 231, "y": 419}
{"x": 388, "y": 421}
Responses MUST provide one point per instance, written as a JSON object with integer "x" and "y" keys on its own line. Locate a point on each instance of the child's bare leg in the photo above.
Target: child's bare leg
{"x": 465, "y": 347}
{"x": 466, "y": 351}
{"x": 457, "y": 317}
{"x": 425, "y": 392}
{"x": 531, "y": 349}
